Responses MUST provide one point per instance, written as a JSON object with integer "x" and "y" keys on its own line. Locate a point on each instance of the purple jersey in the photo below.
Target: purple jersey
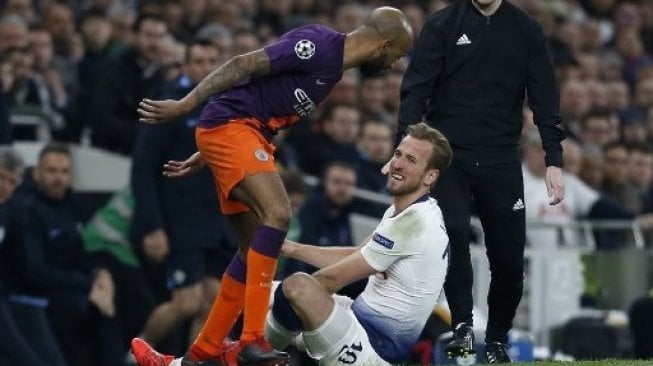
{"x": 305, "y": 63}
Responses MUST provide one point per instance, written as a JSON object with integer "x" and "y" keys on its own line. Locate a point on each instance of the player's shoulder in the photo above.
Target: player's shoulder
{"x": 415, "y": 218}
{"x": 312, "y": 32}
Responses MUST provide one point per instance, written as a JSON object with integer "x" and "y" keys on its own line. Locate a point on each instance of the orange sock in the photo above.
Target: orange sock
{"x": 261, "y": 266}
{"x": 224, "y": 313}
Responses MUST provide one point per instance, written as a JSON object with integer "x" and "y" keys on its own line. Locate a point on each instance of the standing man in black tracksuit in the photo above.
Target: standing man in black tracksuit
{"x": 472, "y": 66}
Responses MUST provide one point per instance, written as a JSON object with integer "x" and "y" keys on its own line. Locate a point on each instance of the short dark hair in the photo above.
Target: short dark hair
{"x": 148, "y": 16}
{"x": 442, "y": 154}
{"x": 54, "y": 148}
{"x": 337, "y": 164}
{"x": 202, "y": 42}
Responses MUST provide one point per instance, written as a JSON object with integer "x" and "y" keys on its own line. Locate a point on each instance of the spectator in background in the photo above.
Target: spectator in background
{"x": 52, "y": 265}
{"x": 592, "y": 171}
{"x": 26, "y": 337}
{"x": 107, "y": 234}
{"x": 373, "y": 96}
{"x": 324, "y": 218}
{"x": 122, "y": 82}
{"x": 177, "y": 219}
{"x": 595, "y": 132}
{"x": 575, "y": 103}
{"x": 6, "y": 82}
{"x": 581, "y": 201}
{"x": 30, "y": 95}
{"x": 45, "y": 71}
{"x": 392, "y": 91}
{"x": 615, "y": 162}
{"x": 336, "y": 141}
{"x": 122, "y": 27}
{"x": 640, "y": 175}
{"x": 96, "y": 32}
{"x": 13, "y": 33}
{"x": 58, "y": 19}
{"x": 375, "y": 146}
{"x": 346, "y": 89}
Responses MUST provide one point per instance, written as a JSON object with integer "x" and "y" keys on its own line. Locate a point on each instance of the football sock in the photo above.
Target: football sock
{"x": 261, "y": 266}
{"x": 224, "y": 312}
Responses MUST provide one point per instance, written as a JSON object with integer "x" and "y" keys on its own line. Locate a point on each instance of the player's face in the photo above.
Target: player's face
{"x": 408, "y": 167}
{"x": 201, "y": 61}
{"x": 53, "y": 175}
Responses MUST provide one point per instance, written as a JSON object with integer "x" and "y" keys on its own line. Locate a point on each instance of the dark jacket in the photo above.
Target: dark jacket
{"x": 186, "y": 208}
{"x": 122, "y": 83}
{"x": 470, "y": 73}
{"x": 44, "y": 244}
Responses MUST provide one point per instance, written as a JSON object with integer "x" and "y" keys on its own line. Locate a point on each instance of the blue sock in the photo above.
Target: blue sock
{"x": 284, "y": 313}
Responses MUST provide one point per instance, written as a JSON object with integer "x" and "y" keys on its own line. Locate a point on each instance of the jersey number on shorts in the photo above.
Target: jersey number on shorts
{"x": 349, "y": 353}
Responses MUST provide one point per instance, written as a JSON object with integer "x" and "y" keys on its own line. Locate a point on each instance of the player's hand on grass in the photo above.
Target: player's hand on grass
{"x": 156, "y": 111}
{"x": 177, "y": 169}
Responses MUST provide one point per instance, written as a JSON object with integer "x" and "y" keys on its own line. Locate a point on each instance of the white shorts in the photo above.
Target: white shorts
{"x": 342, "y": 340}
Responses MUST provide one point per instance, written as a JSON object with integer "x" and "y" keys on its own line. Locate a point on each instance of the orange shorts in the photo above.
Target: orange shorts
{"x": 232, "y": 151}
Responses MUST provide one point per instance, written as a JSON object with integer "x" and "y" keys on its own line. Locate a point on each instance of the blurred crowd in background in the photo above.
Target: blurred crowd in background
{"x": 74, "y": 71}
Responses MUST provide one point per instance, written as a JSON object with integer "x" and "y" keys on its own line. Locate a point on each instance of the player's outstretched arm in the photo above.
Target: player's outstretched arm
{"x": 316, "y": 255}
{"x": 178, "y": 169}
{"x": 224, "y": 77}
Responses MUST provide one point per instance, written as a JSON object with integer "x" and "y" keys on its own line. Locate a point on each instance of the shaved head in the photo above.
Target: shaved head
{"x": 392, "y": 24}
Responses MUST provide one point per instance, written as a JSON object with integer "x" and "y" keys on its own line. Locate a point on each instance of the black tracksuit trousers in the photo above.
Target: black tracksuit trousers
{"x": 497, "y": 192}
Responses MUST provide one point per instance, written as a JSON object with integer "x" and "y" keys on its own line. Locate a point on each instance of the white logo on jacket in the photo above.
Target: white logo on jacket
{"x": 463, "y": 40}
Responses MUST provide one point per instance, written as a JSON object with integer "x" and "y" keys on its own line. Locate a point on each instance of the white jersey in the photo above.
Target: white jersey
{"x": 579, "y": 199}
{"x": 410, "y": 251}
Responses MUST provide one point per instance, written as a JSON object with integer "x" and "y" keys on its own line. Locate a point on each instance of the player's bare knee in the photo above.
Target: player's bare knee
{"x": 277, "y": 216}
{"x": 297, "y": 286}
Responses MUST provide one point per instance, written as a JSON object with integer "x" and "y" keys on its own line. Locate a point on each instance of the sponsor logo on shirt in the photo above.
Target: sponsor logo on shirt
{"x": 304, "y": 105}
{"x": 304, "y": 49}
{"x": 380, "y": 239}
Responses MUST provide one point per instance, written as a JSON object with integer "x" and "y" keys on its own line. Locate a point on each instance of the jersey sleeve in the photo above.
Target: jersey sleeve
{"x": 299, "y": 52}
{"x": 390, "y": 243}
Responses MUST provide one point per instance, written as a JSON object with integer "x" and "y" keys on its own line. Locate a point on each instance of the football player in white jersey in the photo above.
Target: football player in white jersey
{"x": 405, "y": 258}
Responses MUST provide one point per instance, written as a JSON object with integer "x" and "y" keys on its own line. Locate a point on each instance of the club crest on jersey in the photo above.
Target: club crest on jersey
{"x": 380, "y": 239}
{"x": 261, "y": 155}
{"x": 304, "y": 49}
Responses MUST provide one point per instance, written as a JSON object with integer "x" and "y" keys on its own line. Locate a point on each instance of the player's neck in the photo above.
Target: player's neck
{"x": 401, "y": 202}
{"x": 359, "y": 44}
{"x": 489, "y": 9}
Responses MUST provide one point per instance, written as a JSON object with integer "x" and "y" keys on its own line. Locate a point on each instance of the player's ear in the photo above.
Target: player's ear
{"x": 385, "y": 45}
{"x": 431, "y": 176}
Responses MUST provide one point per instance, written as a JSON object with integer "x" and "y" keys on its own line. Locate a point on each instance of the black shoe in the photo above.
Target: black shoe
{"x": 497, "y": 352}
{"x": 256, "y": 355}
{"x": 463, "y": 342}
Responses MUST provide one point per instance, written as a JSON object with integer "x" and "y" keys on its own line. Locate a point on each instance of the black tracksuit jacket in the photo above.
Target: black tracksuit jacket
{"x": 470, "y": 73}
